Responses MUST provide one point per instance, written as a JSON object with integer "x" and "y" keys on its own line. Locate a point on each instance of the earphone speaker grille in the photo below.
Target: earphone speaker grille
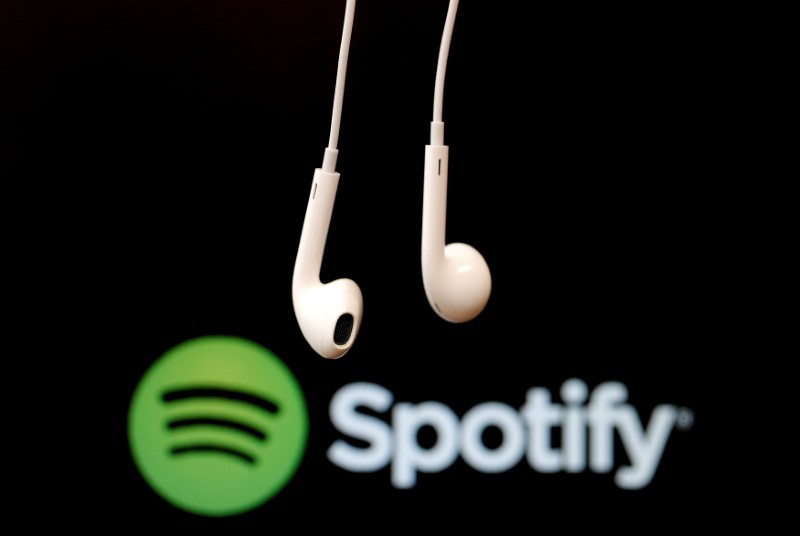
{"x": 343, "y": 329}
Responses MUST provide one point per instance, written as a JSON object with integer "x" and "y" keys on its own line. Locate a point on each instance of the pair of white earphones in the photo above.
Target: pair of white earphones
{"x": 456, "y": 277}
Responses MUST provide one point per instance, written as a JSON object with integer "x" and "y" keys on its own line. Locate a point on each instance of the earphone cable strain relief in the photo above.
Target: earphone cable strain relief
{"x": 437, "y": 133}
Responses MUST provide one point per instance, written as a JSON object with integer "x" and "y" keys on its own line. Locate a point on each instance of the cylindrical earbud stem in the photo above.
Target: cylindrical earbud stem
{"x": 329, "y": 314}
{"x": 315, "y": 228}
{"x": 456, "y": 277}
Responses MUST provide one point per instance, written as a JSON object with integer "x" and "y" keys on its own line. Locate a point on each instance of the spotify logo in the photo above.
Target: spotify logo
{"x": 218, "y": 425}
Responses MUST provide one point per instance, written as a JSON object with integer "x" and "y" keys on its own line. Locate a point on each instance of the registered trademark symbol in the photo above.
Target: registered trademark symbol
{"x": 685, "y": 419}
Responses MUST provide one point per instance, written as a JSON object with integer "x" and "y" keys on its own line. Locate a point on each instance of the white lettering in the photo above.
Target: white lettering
{"x": 407, "y": 420}
{"x": 510, "y": 451}
{"x": 374, "y": 431}
{"x": 587, "y": 433}
{"x": 643, "y": 448}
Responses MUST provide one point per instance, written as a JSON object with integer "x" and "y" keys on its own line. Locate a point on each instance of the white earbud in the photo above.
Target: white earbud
{"x": 456, "y": 277}
{"x": 329, "y": 314}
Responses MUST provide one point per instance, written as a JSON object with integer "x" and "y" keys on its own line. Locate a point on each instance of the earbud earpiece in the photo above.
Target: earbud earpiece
{"x": 329, "y": 314}
{"x": 456, "y": 277}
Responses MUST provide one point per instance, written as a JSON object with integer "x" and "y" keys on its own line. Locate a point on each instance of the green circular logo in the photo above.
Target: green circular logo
{"x": 218, "y": 425}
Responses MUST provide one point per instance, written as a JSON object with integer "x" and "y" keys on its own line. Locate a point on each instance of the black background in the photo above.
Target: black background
{"x": 170, "y": 147}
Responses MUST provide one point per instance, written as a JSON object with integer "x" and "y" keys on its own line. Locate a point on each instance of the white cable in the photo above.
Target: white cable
{"x": 329, "y": 162}
{"x": 437, "y": 127}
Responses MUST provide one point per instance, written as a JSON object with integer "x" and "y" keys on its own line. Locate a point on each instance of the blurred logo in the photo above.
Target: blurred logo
{"x": 218, "y": 425}
{"x": 586, "y": 428}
